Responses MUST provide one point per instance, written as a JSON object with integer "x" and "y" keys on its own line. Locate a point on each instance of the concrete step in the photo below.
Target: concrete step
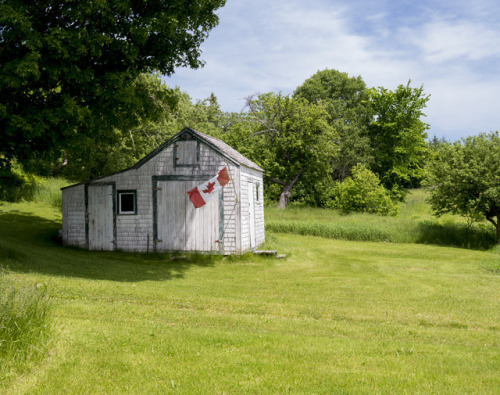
{"x": 269, "y": 253}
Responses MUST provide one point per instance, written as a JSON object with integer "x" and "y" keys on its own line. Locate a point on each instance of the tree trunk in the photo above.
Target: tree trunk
{"x": 60, "y": 166}
{"x": 496, "y": 224}
{"x": 285, "y": 195}
{"x": 287, "y": 190}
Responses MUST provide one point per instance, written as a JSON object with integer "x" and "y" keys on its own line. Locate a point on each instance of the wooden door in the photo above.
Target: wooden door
{"x": 251, "y": 213}
{"x": 181, "y": 226}
{"x": 100, "y": 217}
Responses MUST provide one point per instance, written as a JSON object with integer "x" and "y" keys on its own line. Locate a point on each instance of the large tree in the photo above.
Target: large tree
{"x": 290, "y": 138}
{"x": 465, "y": 179}
{"x": 88, "y": 157}
{"x": 398, "y": 136}
{"x": 346, "y": 101}
{"x": 69, "y": 68}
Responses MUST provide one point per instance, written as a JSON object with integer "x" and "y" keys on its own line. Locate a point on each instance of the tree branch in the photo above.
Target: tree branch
{"x": 296, "y": 178}
{"x": 276, "y": 180}
{"x": 490, "y": 219}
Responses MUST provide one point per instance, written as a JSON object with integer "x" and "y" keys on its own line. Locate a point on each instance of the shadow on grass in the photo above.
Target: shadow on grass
{"x": 28, "y": 244}
{"x": 475, "y": 237}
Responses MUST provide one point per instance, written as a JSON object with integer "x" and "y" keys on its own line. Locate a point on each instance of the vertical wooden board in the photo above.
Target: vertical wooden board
{"x": 171, "y": 209}
{"x": 65, "y": 217}
{"x": 191, "y": 214}
{"x": 251, "y": 213}
{"x": 187, "y": 152}
{"x": 202, "y": 224}
{"x": 100, "y": 209}
{"x": 213, "y": 225}
{"x": 181, "y": 226}
{"x": 236, "y": 176}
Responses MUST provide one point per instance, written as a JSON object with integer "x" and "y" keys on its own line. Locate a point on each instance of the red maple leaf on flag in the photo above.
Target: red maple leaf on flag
{"x": 210, "y": 187}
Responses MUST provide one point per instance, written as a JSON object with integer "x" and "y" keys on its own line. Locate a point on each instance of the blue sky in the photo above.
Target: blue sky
{"x": 452, "y": 48}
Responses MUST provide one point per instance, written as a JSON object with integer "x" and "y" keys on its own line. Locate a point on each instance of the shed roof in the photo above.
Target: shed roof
{"x": 217, "y": 144}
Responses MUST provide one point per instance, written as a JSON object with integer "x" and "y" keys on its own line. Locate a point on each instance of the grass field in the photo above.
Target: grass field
{"x": 334, "y": 317}
{"x": 414, "y": 224}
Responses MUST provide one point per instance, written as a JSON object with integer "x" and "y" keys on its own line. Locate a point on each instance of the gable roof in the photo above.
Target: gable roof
{"x": 218, "y": 145}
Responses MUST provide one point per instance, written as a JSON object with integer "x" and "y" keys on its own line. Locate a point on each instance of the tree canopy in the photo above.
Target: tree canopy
{"x": 398, "y": 135}
{"x": 70, "y": 69}
{"x": 465, "y": 179}
{"x": 289, "y": 137}
{"x": 349, "y": 112}
{"x": 88, "y": 157}
{"x": 310, "y": 141}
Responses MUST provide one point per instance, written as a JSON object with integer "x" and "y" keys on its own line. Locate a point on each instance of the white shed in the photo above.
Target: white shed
{"x": 146, "y": 207}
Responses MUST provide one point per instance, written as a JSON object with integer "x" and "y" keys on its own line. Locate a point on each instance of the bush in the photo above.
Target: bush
{"x": 362, "y": 192}
{"x": 475, "y": 236}
{"x": 16, "y": 185}
{"x": 24, "y": 324}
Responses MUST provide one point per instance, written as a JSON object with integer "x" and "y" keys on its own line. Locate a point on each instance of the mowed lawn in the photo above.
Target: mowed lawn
{"x": 333, "y": 317}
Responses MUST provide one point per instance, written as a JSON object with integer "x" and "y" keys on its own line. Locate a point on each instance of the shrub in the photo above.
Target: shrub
{"x": 15, "y": 184}
{"x": 362, "y": 192}
{"x": 475, "y": 236}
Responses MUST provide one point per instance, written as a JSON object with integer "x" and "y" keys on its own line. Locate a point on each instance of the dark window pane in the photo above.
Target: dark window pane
{"x": 127, "y": 203}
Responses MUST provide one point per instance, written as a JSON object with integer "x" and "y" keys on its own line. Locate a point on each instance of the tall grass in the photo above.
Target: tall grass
{"x": 415, "y": 224}
{"x": 16, "y": 185}
{"x": 48, "y": 191}
{"x": 342, "y": 230}
{"x": 24, "y": 323}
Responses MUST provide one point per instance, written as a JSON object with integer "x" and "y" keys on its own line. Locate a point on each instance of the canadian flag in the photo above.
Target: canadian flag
{"x": 203, "y": 193}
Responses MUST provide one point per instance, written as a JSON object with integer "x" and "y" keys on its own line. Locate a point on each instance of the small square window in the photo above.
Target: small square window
{"x": 186, "y": 153}
{"x": 127, "y": 202}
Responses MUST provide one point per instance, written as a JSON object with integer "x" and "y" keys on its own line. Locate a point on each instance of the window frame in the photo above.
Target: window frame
{"x": 121, "y": 192}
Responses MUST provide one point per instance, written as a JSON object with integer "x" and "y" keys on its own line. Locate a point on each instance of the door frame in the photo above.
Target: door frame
{"x": 202, "y": 177}
{"x": 97, "y": 184}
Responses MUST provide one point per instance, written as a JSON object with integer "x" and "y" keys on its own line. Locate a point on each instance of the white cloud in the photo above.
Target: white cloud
{"x": 452, "y": 48}
{"x": 443, "y": 41}
{"x": 460, "y": 110}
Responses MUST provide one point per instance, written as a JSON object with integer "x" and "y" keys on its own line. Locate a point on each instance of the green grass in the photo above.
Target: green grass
{"x": 415, "y": 224}
{"x": 24, "y": 322}
{"x": 48, "y": 191}
{"x": 334, "y": 317}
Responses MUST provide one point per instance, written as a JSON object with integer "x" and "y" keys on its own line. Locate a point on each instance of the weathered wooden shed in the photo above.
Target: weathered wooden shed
{"x": 146, "y": 207}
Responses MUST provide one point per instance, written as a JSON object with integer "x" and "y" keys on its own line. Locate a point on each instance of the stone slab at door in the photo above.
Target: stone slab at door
{"x": 100, "y": 217}
{"x": 181, "y": 226}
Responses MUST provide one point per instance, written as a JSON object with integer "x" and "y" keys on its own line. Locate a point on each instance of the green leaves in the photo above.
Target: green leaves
{"x": 362, "y": 192}
{"x": 465, "y": 179}
{"x": 348, "y": 112}
{"x": 398, "y": 136}
{"x": 69, "y": 70}
{"x": 290, "y": 138}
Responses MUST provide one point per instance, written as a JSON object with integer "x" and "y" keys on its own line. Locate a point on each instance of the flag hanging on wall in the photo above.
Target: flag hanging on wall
{"x": 203, "y": 193}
